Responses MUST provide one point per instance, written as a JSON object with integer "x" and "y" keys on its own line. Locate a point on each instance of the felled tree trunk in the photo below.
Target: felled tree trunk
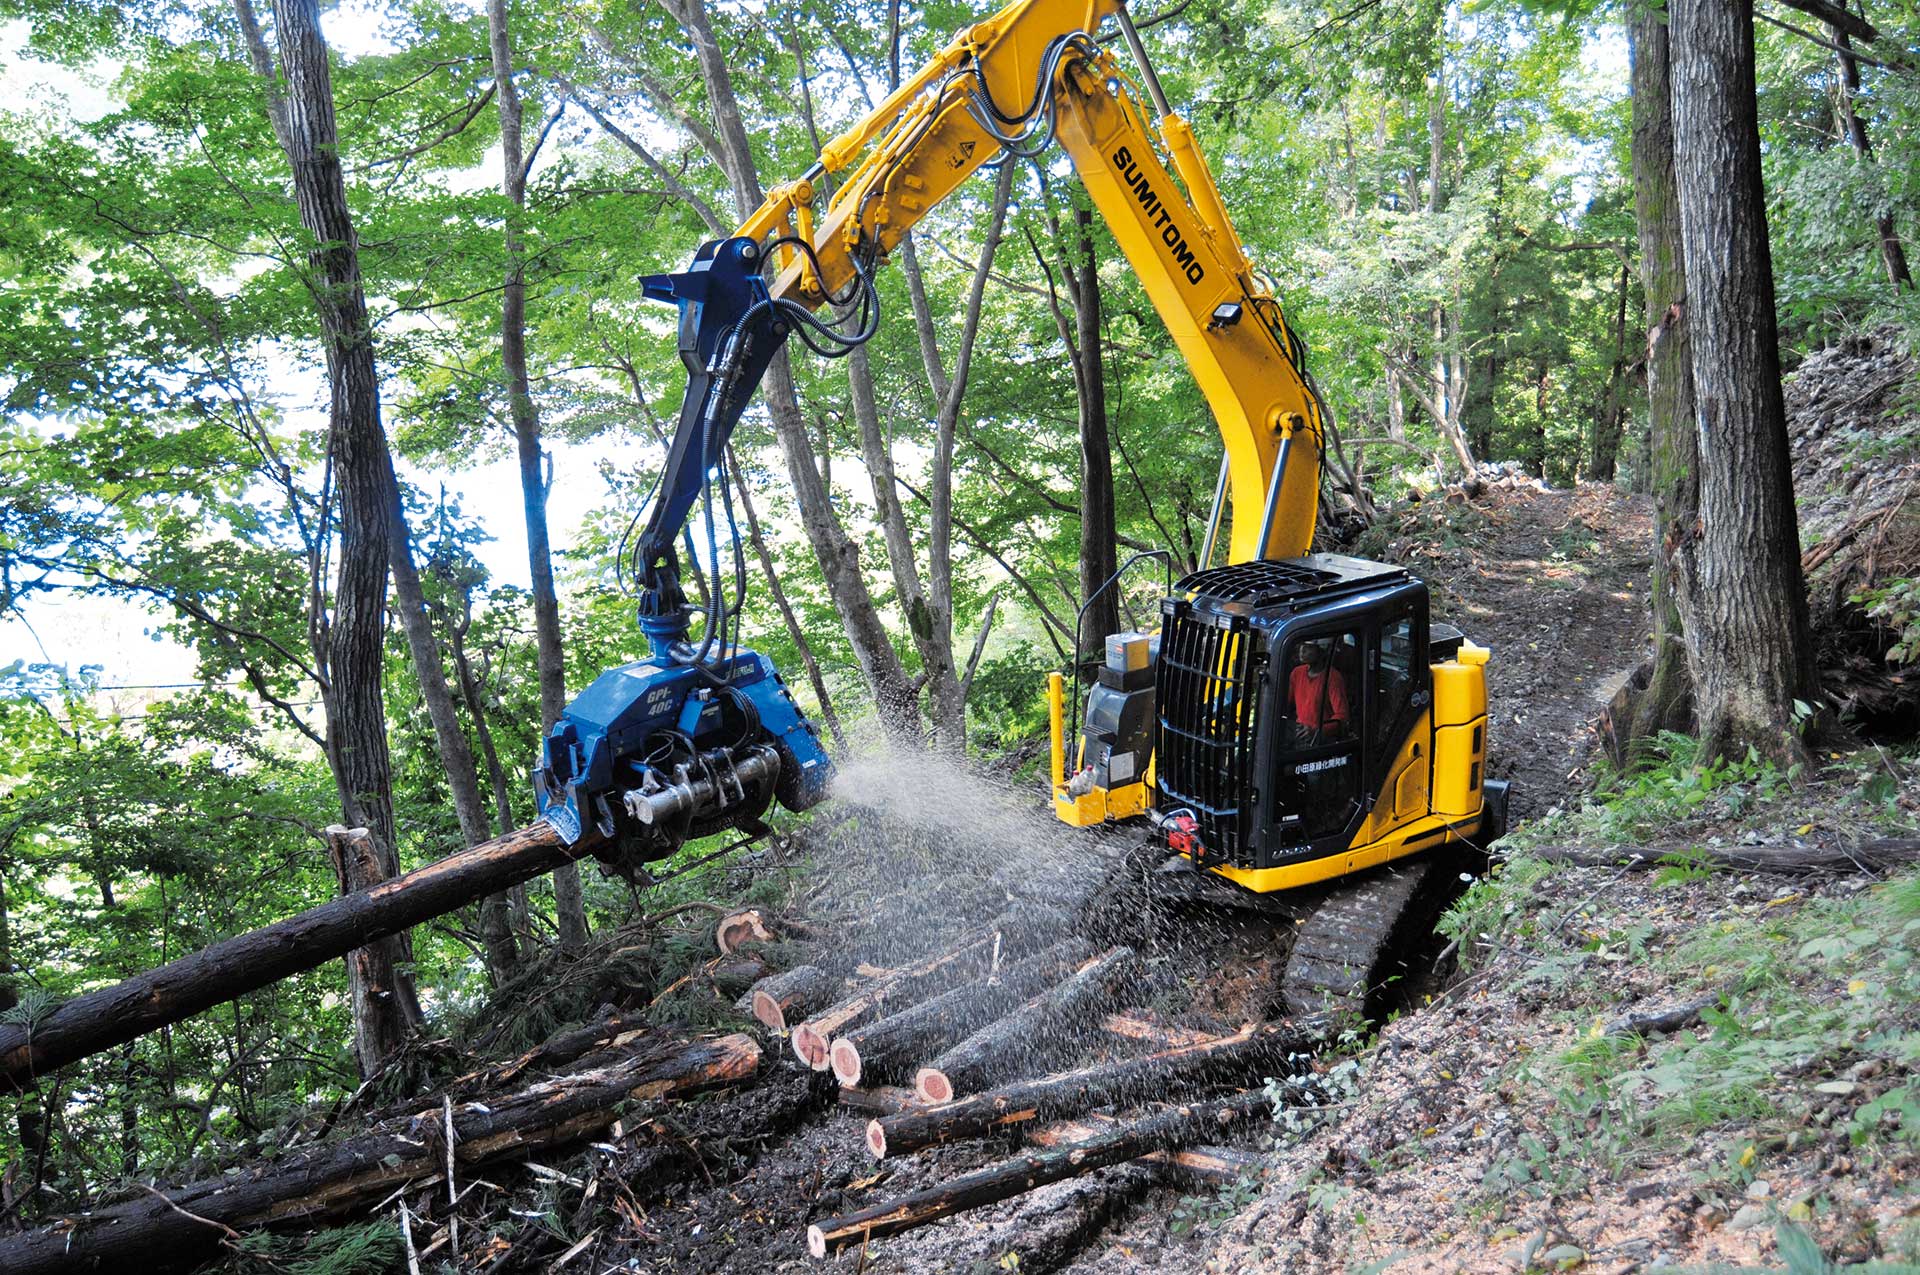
{"x": 1074, "y": 1092}
{"x": 1034, "y": 1036}
{"x": 247, "y": 962}
{"x": 1201, "y": 1164}
{"x": 1879, "y": 855}
{"x": 1025, "y": 1173}
{"x": 329, "y": 1178}
{"x": 794, "y": 994}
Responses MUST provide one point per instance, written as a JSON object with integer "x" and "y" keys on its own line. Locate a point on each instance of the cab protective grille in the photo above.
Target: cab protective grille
{"x": 1208, "y": 711}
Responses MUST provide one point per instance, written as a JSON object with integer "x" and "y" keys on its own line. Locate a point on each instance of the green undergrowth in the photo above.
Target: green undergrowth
{"x": 1805, "y": 1049}
{"x": 1665, "y": 793}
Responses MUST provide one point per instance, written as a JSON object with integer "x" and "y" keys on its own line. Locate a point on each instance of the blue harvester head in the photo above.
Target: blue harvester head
{"x": 657, "y": 752}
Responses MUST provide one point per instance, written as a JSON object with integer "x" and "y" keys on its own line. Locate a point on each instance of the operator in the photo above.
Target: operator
{"x": 1319, "y": 695}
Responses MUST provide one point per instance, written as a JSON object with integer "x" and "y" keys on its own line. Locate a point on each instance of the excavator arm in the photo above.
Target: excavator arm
{"x": 1003, "y": 89}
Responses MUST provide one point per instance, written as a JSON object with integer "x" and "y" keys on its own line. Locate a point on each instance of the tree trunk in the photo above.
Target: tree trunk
{"x": 1893, "y": 254}
{"x": 839, "y": 557}
{"x": 1673, "y": 447}
{"x": 943, "y": 678}
{"x": 1099, "y": 552}
{"x": 380, "y": 1026}
{"x": 1607, "y": 423}
{"x": 456, "y": 754}
{"x": 247, "y": 962}
{"x": 356, "y": 712}
{"x": 570, "y": 910}
{"x": 1747, "y": 632}
{"x": 795, "y": 634}
{"x": 793, "y": 995}
{"x": 331, "y": 1178}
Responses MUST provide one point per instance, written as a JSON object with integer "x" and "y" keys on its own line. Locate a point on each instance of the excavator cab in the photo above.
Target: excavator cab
{"x": 1306, "y": 721}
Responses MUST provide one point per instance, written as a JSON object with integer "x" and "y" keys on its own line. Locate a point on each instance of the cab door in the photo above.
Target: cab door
{"x": 1320, "y": 758}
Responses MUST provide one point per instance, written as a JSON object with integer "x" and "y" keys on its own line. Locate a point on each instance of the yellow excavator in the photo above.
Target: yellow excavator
{"x": 1297, "y": 725}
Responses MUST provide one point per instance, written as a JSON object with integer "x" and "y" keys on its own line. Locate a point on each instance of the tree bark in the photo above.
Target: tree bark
{"x": 356, "y": 712}
{"x": 1673, "y": 447}
{"x": 247, "y": 962}
{"x": 1749, "y": 645}
{"x": 331, "y": 1178}
{"x": 1174, "y": 1128}
{"x": 380, "y": 1024}
{"x": 1044, "y": 1031}
{"x": 569, "y": 904}
{"x": 1075, "y": 1092}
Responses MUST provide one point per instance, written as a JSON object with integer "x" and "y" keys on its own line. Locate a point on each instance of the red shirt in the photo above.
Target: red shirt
{"x": 1318, "y": 698}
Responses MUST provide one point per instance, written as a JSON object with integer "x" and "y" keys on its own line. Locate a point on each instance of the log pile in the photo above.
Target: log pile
{"x": 1023, "y": 928}
{"x": 1032, "y": 1037}
{"x": 889, "y": 1048}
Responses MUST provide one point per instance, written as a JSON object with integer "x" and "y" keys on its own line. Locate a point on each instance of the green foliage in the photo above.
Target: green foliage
{"x": 1662, "y": 785}
{"x": 1896, "y": 606}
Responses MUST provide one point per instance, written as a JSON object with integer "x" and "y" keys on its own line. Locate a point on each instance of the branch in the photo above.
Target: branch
{"x": 666, "y": 176}
{"x": 979, "y": 645}
{"x": 1839, "y": 19}
{"x": 1891, "y": 65}
{"x": 981, "y": 543}
{"x": 473, "y": 110}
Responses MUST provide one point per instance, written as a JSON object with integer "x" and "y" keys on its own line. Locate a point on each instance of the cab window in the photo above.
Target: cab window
{"x": 1397, "y": 677}
{"x": 1319, "y": 695}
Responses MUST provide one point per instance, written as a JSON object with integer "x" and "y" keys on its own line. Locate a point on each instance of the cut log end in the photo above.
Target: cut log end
{"x": 741, "y": 927}
{"x": 845, "y": 1057}
{"x": 811, "y": 1047}
{"x": 767, "y": 1011}
{"x": 816, "y": 1242}
{"x": 876, "y": 1140}
{"x": 932, "y": 1085}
